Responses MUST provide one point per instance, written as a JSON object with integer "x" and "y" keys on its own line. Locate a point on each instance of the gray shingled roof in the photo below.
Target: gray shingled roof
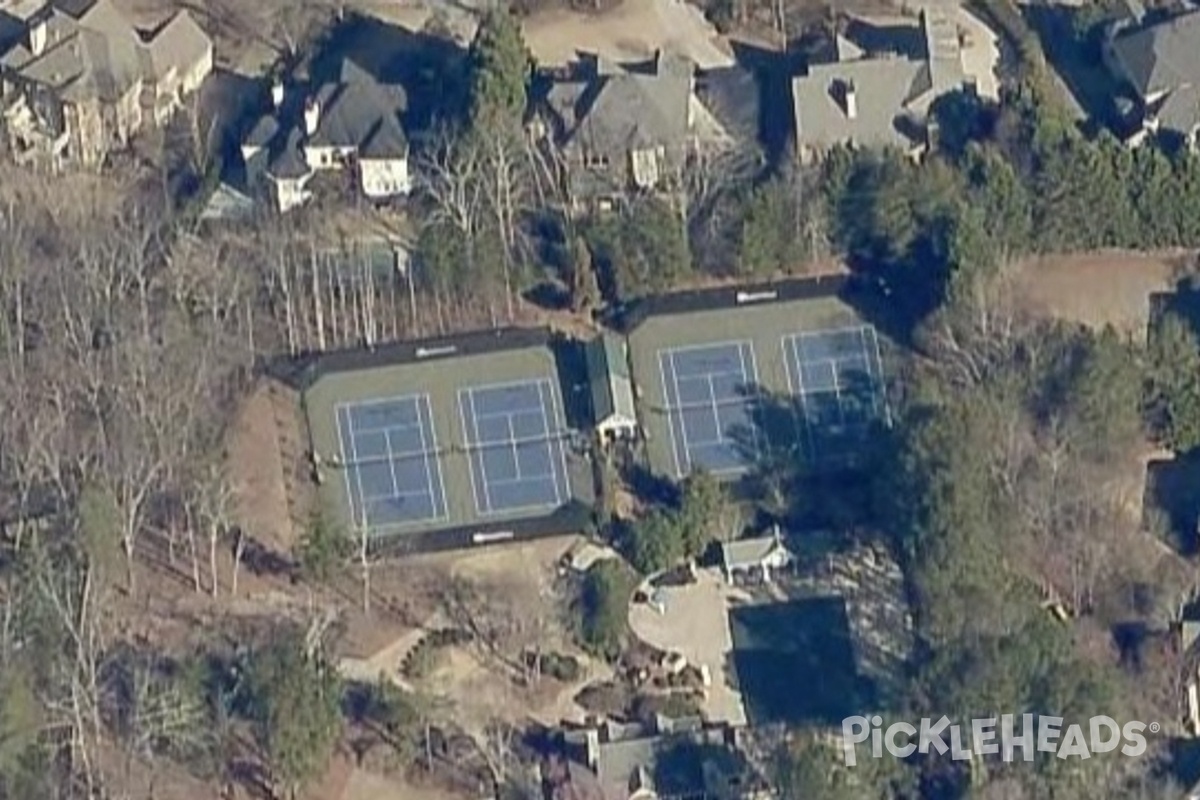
{"x": 99, "y": 54}
{"x": 358, "y": 111}
{"x": 287, "y": 161}
{"x": 626, "y": 109}
{"x": 1161, "y": 57}
{"x": 892, "y": 93}
{"x": 742, "y": 553}
{"x": 881, "y": 87}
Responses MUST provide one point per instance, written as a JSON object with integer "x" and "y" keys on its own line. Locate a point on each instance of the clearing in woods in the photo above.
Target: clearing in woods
{"x": 1097, "y": 289}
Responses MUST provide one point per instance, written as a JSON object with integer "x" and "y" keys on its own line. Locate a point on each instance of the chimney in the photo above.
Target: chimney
{"x": 276, "y": 93}
{"x": 851, "y": 100}
{"x": 37, "y": 37}
{"x": 593, "y": 748}
{"x": 312, "y": 116}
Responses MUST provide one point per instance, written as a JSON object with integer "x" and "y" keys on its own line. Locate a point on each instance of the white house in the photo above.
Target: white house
{"x": 349, "y": 123}
{"x": 764, "y": 554}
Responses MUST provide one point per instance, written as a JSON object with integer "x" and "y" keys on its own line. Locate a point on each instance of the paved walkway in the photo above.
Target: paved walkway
{"x": 696, "y": 624}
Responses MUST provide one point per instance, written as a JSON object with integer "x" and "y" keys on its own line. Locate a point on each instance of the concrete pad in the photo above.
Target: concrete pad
{"x": 695, "y": 623}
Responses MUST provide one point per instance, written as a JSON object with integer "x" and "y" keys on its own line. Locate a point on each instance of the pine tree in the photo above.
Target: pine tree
{"x": 500, "y": 70}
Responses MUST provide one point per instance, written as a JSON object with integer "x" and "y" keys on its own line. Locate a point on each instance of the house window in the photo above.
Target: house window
{"x": 595, "y": 161}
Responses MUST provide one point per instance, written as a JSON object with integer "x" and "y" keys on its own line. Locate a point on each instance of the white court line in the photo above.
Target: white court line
{"x": 444, "y": 514}
{"x": 468, "y": 451}
{"x": 512, "y": 443}
{"x": 474, "y": 439}
{"x": 487, "y": 387}
{"x": 346, "y": 462}
{"x": 662, "y": 371}
{"x": 716, "y": 414}
{"x": 428, "y": 472}
{"x": 379, "y": 401}
{"x": 361, "y": 517}
{"x": 881, "y": 388}
{"x": 391, "y": 462}
{"x": 837, "y": 392}
{"x": 687, "y": 455}
{"x": 754, "y": 398}
{"x": 791, "y": 359}
{"x": 557, "y": 441}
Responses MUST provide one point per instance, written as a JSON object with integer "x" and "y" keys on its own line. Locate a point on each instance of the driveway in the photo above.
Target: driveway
{"x": 695, "y": 623}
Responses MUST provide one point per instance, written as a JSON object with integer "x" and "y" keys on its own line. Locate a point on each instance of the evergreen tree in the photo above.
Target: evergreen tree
{"x": 500, "y": 71}
{"x": 295, "y": 696}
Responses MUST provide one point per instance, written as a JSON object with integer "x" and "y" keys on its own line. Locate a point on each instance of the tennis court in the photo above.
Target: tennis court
{"x": 391, "y": 466}
{"x": 449, "y": 442}
{"x": 837, "y": 376}
{"x": 738, "y": 381}
{"x": 517, "y": 458}
{"x": 710, "y": 392}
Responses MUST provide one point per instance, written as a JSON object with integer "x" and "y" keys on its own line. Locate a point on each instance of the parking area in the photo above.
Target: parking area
{"x": 693, "y": 620}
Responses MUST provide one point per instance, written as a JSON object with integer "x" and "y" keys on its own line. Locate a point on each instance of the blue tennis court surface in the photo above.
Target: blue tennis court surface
{"x": 838, "y": 378}
{"x": 711, "y": 391}
{"x": 516, "y": 448}
{"x": 393, "y": 476}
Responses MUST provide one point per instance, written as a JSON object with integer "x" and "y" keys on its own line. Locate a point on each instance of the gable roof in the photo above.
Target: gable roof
{"x": 178, "y": 44}
{"x": 360, "y": 112}
{"x": 742, "y": 553}
{"x": 1162, "y": 56}
{"x": 608, "y": 374}
{"x": 99, "y": 54}
{"x": 355, "y": 111}
{"x": 891, "y": 94}
{"x": 617, "y": 110}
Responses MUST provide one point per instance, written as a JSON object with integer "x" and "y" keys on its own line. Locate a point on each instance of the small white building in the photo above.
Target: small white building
{"x": 762, "y": 555}
{"x": 611, "y": 388}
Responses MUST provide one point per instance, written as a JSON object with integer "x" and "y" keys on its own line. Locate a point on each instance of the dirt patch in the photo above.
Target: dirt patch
{"x": 266, "y": 464}
{"x": 632, "y": 30}
{"x": 530, "y": 561}
{"x": 364, "y": 785}
{"x": 1097, "y": 289}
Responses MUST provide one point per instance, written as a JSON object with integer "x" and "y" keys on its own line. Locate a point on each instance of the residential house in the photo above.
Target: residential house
{"x": 867, "y": 100}
{"x": 671, "y": 759}
{"x": 351, "y": 122}
{"x": 79, "y": 85}
{"x": 1160, "y": 63}
{"x": 612, "y": 388}
{"x": 621, "y": 127}
{"x": 761, "y": 555}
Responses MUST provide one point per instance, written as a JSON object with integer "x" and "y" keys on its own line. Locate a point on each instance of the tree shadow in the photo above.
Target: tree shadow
{"x": 1075, "y": 55}
{"x": 648, "y": 485}
{"x": 684, "y": 766}
{"x": 570, "y": 360}
{"x": 773, "y": 72}
{"x": 431, "y": 69}
{"x": 807, "y": 473}
{"x": 1172, "y": 489}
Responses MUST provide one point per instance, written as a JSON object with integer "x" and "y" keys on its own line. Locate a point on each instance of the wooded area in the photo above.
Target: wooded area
{"x": 130, "y": 332}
